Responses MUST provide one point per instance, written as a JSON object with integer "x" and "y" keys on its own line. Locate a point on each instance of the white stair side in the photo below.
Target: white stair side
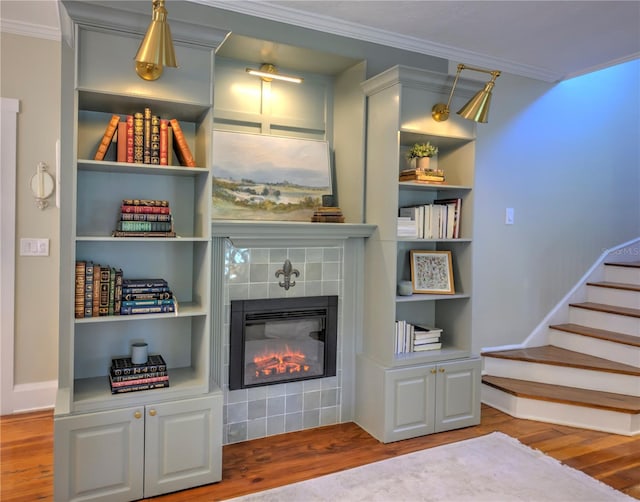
{"x": 613, "y": 422}
{"x": 604, "y": 320}
{"x": 563, "y": 375}
{"x": 628, "y": 275}
{"x": 613, "y": 351}
{"x": 612, "y": 296}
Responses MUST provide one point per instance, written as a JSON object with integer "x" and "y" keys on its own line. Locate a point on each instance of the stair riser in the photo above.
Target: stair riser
{"x": 610, "y": 296}
{"x": 563, "y": 414}
{"x": 612, "y": 351}
{"x": 603, "y": 320}
{"x": 628, "y": 275}
{"x": 563, "y": 375}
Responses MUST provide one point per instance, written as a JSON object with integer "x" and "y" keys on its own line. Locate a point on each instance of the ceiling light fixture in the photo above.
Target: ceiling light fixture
{"x": 269, "y": 72}
{"x": 156, "y": 49}
{"x": 477, "y": 108}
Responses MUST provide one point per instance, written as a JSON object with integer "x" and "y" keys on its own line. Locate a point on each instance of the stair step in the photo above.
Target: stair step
{"x": 615, "y": 285}
{"x": 630, "y": 264}
{"x": 608, "y": 309}
{"x": 556, "y": 356}
{"x": 565, "y": 395}
{"x": 601, "y": 334}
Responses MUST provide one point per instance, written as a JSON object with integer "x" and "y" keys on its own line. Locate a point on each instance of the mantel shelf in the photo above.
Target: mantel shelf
{"x": 287, "y": 231}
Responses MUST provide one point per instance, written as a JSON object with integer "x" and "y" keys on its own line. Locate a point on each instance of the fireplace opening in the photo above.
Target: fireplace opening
{"x": 282, "y": 340}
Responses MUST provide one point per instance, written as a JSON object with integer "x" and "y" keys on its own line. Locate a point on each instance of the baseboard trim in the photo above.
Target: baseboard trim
{"x": 33, "y": 396}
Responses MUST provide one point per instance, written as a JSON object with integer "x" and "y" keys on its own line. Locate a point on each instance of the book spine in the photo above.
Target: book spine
{"x": 80, "y": 287}
{"x": 105, "y": 273}
{"x": 147, "y": 136}
{"x": 130, "y": 139}
{"x": 122, "y": 366}
{"x": 95, "y": 306}
{"x": 112, "y": 291}
{"x": 132, "y": 233}
{"x": 139, "y": 376}
{"x": 181, "y": 146}
{"x": 138, "y": 138}
{"x": 107, "y": 137}
{"x": 144, "y": 217}
{"x": 147, "y": 303}
{"x": 134, "y": 388}
{"x": 145, "y": 202}
{"x": 133, "y": 290}
{"x": 155, "y": 140}
{"x": 144, "y": 209}
{"x": 157, "y": 309}
{"x": 88, "y": 290}
{"x": 128, "y": 284}
{"x": 147, "y": 296}
{"x": 121, "y": 142}
{"x": 118, "y": 293}
{"x": 145, "y": 226}
{"x": 139, "y": 381}
{"x": 164, "y": 142}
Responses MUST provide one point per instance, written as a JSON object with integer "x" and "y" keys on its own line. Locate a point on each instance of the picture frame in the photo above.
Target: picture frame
{"x": 267, "y": 177}
{"x": 432, "y": 272}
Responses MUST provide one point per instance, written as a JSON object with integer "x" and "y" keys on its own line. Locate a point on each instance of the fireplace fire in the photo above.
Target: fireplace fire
{"x": 282, "y": 340}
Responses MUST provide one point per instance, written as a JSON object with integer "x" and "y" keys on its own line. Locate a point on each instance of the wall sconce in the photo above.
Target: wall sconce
{"x": 42, "y": 185}
{"x": 156, "y": 49}
{"x": 477, "y": 108}
{"x": 269, "y": 72}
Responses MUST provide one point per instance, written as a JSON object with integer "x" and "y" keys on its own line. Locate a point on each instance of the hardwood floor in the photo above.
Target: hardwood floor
{"x": 26, "y": 455}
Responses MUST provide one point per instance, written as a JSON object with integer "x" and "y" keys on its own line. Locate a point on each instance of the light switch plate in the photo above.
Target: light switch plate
{"x": 34, "y": 247}
{"x": 509, "y": 216}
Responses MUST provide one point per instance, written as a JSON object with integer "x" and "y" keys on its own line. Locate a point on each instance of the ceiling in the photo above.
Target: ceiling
{"x": 546, "y": 40}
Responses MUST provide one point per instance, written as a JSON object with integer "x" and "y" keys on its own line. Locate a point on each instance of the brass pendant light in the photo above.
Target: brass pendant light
{"x": 156, "y": 49}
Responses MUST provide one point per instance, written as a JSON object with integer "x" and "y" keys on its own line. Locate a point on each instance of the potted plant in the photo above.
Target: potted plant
{"x": 422, "y": 152}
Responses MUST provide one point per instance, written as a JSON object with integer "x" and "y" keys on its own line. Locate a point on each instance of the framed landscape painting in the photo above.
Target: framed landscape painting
{"x": 432, "y": 272}
{"x": 261, "y": 177}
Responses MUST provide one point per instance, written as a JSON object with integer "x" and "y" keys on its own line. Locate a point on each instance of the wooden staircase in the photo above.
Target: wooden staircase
{"x": 589, "y": 373}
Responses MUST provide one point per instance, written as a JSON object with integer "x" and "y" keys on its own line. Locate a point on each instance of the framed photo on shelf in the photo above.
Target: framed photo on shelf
{"x": 432, "y": 272}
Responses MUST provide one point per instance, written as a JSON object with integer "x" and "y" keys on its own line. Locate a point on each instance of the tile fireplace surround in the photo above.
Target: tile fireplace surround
{"x": 329, "y": 258}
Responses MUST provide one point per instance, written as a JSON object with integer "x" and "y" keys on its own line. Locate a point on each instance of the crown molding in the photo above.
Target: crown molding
{"x": 30, "y": 30}
{"x": 349, "y": 29}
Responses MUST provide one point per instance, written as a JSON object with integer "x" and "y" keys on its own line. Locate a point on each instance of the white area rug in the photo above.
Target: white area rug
{"x": 493, "y": 468}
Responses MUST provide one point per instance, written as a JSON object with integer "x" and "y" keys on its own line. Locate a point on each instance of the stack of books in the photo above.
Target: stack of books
{"x": 144, "y": 218}
{"x": 124, "y": 376}
{"x": 147, "y": 296}
{"x": 431, "y": 176}
{"x": 328, "y": 215}
{"x": 416, "y": 338}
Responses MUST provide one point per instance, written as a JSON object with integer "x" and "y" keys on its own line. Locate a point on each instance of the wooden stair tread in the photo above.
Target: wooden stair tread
{"x": 615, "y": 285}
{"x": 601, "y": 334}
{"x": 608, "y": 309}
{"x": 555, "y": 356}
{"x": 630, "y": 264}
{"x": 566, "y": 395}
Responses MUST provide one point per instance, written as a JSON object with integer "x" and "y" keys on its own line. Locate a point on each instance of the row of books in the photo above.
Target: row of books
{"x": 101, "y": 290}
{"x": 416, "y": 338}
{"x": 438, "y": 220}
{"x": 144, "y": 218}
{"x": 420, "y": 175}
{"x": 124, "y": 376}
{"x": 327, "y": 214}
{"x": 145, "y": 138}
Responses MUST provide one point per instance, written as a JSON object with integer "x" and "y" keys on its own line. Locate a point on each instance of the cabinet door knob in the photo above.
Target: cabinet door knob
{"x": 137, "y": 414}
{"x": 152, "y": 412}
{"x": 433, "y": 371}
{"x": 441, "y": 370}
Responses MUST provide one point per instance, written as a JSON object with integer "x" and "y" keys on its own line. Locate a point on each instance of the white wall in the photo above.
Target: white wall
{"x": 31, "y": 73}
{"x": 566, "y": 157}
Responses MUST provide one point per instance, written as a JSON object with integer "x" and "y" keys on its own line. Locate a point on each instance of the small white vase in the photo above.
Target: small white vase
{"x": 423, "y": 163}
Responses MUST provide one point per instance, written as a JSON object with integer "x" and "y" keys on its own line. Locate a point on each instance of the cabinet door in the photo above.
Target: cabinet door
{"x": 458, "y": 391}
{"x": 410, "y": 400}
{"x": 183, "y": 444}
{"x": 99, "y": 456}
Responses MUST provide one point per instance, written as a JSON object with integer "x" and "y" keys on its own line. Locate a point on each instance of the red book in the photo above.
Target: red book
{"x": 122, "y": 142}
{"x": 130, "y": 138}
{"x": 180, "y": 144}
{"x": 125, "y": 208}
{"x": 107, "y": 137}
{"x": 164, "y": 142}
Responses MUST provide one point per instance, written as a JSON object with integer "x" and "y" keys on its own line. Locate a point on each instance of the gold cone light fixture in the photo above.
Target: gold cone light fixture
{"x": 156, "y": 49}
{"x": 269, "y": 72}
{"x": 477, "y": 108}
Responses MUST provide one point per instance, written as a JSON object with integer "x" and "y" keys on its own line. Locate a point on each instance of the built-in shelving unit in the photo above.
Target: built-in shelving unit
{"x": 399, "y": 115}
{"x": 141, "y": 431}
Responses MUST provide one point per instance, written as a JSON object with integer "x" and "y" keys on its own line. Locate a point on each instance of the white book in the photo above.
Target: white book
{"x": 428, "y": 346}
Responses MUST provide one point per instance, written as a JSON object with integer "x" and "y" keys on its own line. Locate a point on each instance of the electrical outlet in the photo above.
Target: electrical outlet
{"x": 509, "y": 216}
